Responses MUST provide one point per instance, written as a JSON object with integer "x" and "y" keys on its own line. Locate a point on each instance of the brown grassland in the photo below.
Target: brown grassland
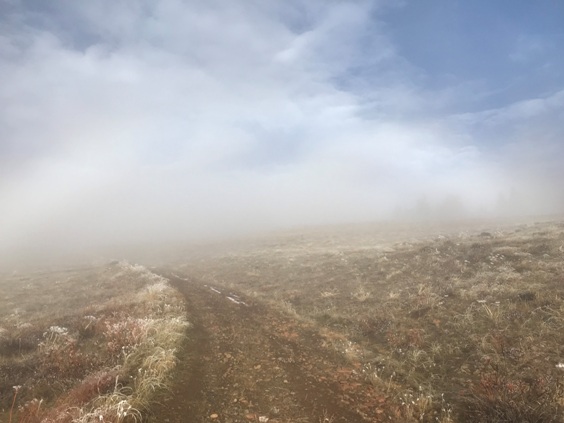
{"x": 463, "y": 323}
{"x": 86, "y": 345}
{"x": 452, "y": 325}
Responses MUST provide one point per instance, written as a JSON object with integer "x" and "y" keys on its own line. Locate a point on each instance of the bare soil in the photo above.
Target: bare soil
{"x": 244, "y": 361}
{"x": 461, "y": 324}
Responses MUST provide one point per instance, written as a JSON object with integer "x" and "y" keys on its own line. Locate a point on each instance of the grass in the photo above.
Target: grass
{"x": 454, "y": 325}
{"x": 86, "y": 345}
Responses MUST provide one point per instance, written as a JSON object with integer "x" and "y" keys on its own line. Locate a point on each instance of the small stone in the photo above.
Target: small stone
{"x": 214, "y": 416}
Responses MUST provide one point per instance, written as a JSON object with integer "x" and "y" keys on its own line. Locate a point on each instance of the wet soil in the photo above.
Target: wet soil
{"x": 246, "y": 362}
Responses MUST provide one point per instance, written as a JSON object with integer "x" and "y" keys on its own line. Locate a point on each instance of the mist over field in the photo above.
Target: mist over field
{"x": 167, "y": 121}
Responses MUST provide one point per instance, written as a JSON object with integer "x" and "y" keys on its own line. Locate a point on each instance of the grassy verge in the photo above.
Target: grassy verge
{"x": 86, "y": 345}
{"x": 461, "y": 326}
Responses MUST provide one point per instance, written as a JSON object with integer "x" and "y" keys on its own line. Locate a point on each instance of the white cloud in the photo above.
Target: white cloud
{"x": 527, "y": 49}
{"x": 170, "y": 119}
{"x": 518, "y": 111}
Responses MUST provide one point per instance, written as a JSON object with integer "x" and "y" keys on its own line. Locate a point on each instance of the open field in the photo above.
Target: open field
{"x": 86, "y": 344}
{"x": 459, "y": 323}
{"x": 450, "y": 325}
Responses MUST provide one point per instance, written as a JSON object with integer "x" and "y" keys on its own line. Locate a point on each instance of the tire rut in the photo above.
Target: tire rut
{"x": 244, "y": 362}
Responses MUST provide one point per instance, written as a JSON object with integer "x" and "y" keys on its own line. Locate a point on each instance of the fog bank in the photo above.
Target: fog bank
{"x": 168, "y": 121}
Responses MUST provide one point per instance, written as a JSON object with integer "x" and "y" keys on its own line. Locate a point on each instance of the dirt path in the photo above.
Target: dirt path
{"x": 244, "y": 362}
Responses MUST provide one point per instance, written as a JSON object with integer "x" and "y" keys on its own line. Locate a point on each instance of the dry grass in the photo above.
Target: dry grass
{"x": 86, "y": 345}
{"x": 460, "y": 326}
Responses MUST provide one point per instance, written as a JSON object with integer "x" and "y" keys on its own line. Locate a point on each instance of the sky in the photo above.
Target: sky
{"x": 152, "y": 120}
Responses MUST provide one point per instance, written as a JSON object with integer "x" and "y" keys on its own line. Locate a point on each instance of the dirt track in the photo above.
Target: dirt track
{"x": 244, "y": 362}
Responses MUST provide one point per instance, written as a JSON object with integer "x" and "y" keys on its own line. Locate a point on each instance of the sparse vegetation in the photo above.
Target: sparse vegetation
{"x": 458, "y": 327}
{"x": 86, "y": 345}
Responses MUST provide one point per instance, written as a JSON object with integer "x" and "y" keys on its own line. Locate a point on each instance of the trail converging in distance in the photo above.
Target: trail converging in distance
{"x": 306, "y": 211}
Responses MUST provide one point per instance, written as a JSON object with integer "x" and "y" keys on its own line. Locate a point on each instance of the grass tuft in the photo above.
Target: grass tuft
{"x": 97, "y": 362}
{"x": 469, "y": 324}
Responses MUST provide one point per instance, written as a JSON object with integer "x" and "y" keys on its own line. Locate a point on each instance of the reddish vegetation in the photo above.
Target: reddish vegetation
{"x": 79, "y": 360}
{"x": 461, "y": 325}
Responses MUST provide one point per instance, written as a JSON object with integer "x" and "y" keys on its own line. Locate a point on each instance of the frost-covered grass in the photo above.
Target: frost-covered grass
{"x": 99, "y": 351}
{"x": 460, "y": 325}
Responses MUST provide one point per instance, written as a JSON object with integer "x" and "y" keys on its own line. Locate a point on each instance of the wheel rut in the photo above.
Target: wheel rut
{"x": 245, "y": 362}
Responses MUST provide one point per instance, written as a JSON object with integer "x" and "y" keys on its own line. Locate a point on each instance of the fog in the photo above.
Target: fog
{"x": 146, "y": 123}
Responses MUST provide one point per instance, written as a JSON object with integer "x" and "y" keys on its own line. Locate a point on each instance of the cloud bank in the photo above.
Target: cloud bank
{"x": 127, "y": 122}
